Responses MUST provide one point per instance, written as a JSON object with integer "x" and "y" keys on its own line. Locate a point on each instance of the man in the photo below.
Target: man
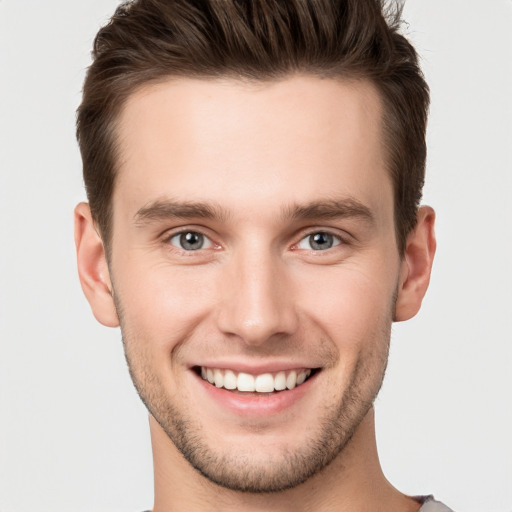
{"x": 254, "y": 171}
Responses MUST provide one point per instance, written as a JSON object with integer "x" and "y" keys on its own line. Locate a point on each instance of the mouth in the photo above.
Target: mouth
{"x": 246, "y": 383}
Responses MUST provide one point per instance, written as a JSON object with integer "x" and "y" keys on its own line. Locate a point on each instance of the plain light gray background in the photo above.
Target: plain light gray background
{"x": 73, "y": 435}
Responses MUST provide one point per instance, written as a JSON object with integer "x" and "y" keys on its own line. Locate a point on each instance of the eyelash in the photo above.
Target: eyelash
{"x": 168, "y": 240}
{"x": 336, "y": 238}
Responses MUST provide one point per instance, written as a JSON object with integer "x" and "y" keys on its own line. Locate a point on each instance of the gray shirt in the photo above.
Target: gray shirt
{"x": 431, "y": 505}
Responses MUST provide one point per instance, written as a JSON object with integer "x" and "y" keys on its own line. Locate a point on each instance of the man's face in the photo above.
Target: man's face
{"x": 254, "y": 243}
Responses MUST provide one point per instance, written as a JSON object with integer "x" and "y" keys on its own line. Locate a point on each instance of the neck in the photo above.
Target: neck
{"x": 354, "y": 481}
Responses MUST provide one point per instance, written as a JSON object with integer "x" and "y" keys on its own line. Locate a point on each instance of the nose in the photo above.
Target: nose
{"x": 257, "y": 300}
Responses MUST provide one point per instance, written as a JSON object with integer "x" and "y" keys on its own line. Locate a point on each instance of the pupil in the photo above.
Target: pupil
{"x": 321, "y": 241}
{"x": 191, "y": 241}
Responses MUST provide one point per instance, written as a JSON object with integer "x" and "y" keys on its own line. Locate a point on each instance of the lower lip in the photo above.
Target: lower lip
{"x": 256, "y": 405}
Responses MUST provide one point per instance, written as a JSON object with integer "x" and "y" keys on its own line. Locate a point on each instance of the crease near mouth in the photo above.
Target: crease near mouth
{"x": 263, "y": 383}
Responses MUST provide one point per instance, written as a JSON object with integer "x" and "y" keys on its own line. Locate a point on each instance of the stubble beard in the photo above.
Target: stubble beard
{"x": 239, "y": 471}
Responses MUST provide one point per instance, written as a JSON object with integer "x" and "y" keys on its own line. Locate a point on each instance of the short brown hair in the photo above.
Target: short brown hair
{"x": 148, "y": 41}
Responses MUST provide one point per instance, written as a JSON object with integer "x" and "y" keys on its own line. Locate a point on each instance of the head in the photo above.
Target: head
{"x": 254, "y": 171}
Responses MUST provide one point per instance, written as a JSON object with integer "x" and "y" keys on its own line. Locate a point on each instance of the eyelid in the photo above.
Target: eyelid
{"x": 207, "y": 243}
{"x": 169, "y": 234}
{"x": 337, "y": 240}
{"x": 341, "y": 238}
{"x": 166, "y": 237}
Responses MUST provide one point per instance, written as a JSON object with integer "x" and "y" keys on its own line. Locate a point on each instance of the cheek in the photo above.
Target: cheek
{"x": 161, "y": 304}
{"x": 354, "y": 304}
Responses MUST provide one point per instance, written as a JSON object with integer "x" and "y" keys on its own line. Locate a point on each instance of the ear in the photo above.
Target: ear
{"x": 416, "y": 265}
{"x": 93, "y": 269}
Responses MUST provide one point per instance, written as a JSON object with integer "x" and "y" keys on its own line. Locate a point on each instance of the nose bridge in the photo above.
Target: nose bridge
{"x": 256, "y": 302}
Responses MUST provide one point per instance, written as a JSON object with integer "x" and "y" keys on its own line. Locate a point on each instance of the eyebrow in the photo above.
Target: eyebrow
{"x": 331, "y": 209}
{"x": 170, "y": 209}
{"x": 317, "y": 210}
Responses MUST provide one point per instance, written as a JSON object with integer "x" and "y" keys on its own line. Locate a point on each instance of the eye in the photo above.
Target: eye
{"x": 190, "y": 241}
{"x": 319, "y": 241}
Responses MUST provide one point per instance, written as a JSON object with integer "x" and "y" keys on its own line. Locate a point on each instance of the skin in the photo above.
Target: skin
{"x": 256, "y": 169}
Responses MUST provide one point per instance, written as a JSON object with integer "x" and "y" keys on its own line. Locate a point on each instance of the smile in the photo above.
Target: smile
{"x": 263, "y": 383}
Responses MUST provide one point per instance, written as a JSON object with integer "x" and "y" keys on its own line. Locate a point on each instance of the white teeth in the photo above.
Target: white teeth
{"x": 291, "y": 380}
{"x": 245, "y": 382}
{"x": 280, "y": 381}
{"x": 229, "y": 380}
{"x": 301, "y": 377}
{"x": 219, "y": 378}
{"x": 264, "y": 383}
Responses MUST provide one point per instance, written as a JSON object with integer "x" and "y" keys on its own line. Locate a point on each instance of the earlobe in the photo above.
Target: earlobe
{"x": 92, "y": 267}
{"x": 416, "y": 265}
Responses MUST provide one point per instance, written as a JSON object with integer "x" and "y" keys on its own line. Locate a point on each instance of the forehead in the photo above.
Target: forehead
{"x": 293, "y": 140}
